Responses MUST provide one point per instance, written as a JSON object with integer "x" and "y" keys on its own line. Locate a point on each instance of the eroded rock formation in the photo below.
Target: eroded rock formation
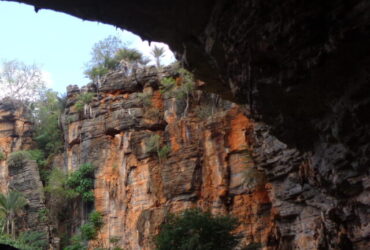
{"x": 135, "y": 189}
{"x": 303, "y": 68}
{"x": 16, "y": 135}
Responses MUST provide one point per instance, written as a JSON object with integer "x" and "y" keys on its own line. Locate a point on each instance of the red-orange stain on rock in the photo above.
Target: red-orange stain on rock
{"x": 239, "y": 124}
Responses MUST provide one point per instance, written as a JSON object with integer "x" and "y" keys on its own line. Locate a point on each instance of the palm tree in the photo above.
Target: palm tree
{"x": 10, "y": 205}
{"x": 158, "y": 52}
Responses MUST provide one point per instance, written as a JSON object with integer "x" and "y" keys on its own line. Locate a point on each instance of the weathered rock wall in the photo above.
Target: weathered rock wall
{"x": 16, "y": 135}
{"x": 135, "y": 190}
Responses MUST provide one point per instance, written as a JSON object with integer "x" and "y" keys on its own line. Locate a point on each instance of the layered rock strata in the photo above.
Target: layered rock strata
{"x": 16, "y": 135}
{"x": 135, "y": 189}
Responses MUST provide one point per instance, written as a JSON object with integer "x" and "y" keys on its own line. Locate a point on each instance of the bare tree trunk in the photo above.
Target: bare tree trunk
{"x": 13, "y": 229}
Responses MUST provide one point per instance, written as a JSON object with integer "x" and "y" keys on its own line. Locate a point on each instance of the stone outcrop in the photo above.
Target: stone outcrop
{"x": 224, "y": 163}
{"x": 16, "y": 135}
{"x": 205, "y": 167}
{"x": 219, "y": 160}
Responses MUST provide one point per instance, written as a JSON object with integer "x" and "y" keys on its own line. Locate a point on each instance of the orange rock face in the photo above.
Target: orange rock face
{"x": 135, "y": 189}
{"x": 15, "y": 135}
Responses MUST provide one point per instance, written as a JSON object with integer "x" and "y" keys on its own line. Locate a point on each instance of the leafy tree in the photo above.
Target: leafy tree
{"x": 110, "y": 54}
{"x": 10, "y": 205}
{"x": 197, "y": 230}
{"x": 21, "y": 82}
{"x": 29, "y": 240}
{"x": 48, "y": 133}
{"x": 82, "y": 182}
{"x": 158, "y": 53}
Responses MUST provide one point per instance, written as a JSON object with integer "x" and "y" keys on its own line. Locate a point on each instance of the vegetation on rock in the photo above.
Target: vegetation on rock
{"x": 194, "y": 229}
{"x": 88, "y": 231}
{"x": 29, "y": 240}
{"x": 10, "y": 206}
{"x": 110, "y": 54}
{"x": 154, "y": 145}
{"x": 18, "y": 159}
{"x": 81, "y": 181}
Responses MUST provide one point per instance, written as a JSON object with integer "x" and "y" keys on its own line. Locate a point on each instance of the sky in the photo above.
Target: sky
{"x": 58, "y": 43}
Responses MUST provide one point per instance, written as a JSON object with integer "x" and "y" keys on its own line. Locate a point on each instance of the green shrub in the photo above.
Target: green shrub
{"x": 194, "y": 229}
{"x": 167, "y": 85}
{"x": 18, "y": 159}
{"x": 164, "y": 151}
{"x": 2, "y": 156}
{"x": 82, "y": 182}
{"x": 145, "y": 98}
{"x": 43, "y": 214}
{"x": 57, "y": 186}
{"x": 29, "y": 240}
{"x": 88, "y": 231}
{"x": 153, "y": 145}
{"x": 82, "y": 100}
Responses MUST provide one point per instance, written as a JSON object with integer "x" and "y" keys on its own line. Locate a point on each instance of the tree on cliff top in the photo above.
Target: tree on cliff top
{"x": 21, "y": 82}
{"x": 197, "y": 230}
{"x": 158, "y": 53}
{"x": 111, "y": 54}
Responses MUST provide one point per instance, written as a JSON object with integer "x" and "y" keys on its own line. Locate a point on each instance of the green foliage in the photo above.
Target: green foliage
{"x": 158, "y": 53}
{"x": 38, "y": 156}
{"x": 17, "y": 159}
{"x": 48, "y": 133}
{"x": 57, "y": 187}
{"x": 145, "y": 98}
{"x": 2, "y": 156}
{"x": 88, "y": 231}
{"x": 28, "y": 240}
{"x": 43, "y": 214}
{"x": 129, "y": 55}
{"x": 82, "y": 100}
{"x": 77, "y": 243}
{"x": 164, "y": 151}
{"x": 154, "y": 145}
{"x": 167, "y": 85}
{"x": 108, "y": 54}
{"x": 197, "y": 230}
{"x": 10, "y": 205}
{"x": 82, "y": 182}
